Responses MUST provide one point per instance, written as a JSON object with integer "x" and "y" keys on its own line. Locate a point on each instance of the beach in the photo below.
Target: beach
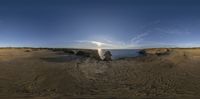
{"x": 28, "y": 73}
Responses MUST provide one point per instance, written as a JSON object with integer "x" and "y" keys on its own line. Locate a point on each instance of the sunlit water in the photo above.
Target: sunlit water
{"x": 120, "y": 53}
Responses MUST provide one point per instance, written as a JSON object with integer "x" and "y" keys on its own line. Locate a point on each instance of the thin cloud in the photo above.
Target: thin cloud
{"x": 179, "y": 31}
{"x": 96, "y": 43}
{"x": 133, "y": 43}
{"x": 137, "y": 39}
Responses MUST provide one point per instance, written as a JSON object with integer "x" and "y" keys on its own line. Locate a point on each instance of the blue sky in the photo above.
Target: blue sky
{"x": 100, "y": 23}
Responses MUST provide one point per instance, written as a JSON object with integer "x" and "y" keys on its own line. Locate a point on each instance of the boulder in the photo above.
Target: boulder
{"x": 107, "y": 56}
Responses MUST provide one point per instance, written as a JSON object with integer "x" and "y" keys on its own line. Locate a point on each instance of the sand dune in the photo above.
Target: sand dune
{"x": 47, "y": 74}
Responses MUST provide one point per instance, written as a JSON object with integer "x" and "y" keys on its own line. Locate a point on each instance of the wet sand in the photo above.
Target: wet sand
{"x": 48, "y": 74}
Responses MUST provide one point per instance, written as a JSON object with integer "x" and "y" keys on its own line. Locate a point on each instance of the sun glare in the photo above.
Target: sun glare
{"x": 99, "y": 44}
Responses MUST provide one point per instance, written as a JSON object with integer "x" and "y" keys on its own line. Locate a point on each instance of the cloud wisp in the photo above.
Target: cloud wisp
{"x": 133, "y": 43}
{"x": 137, "y": 39}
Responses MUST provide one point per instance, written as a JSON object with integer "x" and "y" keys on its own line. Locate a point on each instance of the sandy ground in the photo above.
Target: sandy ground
{"x": 45, "y": 74}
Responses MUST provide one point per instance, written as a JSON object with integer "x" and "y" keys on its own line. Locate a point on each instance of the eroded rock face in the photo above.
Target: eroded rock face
{"x": 69, "y": 51}
{"x": 155, "y": 51}
{"x": 88, "y": 53}
{"x": 79, "y": 52}
{"x": 105, "y": 55}
{"x": 82, "y": 53}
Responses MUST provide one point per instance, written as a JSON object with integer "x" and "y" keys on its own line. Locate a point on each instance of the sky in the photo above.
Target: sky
{"x": 100, "y": 23}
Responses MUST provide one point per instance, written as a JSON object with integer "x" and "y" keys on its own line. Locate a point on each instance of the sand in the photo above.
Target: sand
{"x": 47, "y": 74}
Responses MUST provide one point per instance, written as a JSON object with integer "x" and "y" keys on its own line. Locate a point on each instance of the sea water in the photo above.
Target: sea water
{"x": 120, "y": 53}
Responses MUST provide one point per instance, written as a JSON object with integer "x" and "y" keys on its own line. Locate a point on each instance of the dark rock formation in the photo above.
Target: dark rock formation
{"x": 143, "y": 52}
{"x": 27, "y": 50}
{"x": 155, "y": 51}
{"x": 88, "y": 53}
{"x": 82, "y": 53}
{"x": 69, "y": 51}
{"x": 107, "y": 56}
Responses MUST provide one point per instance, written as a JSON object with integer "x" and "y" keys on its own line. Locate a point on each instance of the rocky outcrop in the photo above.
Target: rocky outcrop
{"x": 69, "y": 51}
{"x": 155, "y": 51}
{"x": 107, "y": 56}
{"x": 88, "y": 53}
{"x": 27, "y": 50}
{"x": 82, "y": 53}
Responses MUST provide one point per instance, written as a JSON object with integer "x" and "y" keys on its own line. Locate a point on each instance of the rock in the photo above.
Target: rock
{"x": 155, "y": 51}
{"x": 69, "y": 51}
{"x": 88, "y": 53}
{"x": 82, "y": 53}
{"x": 143, "y": 52}
{"x": 27, "y": 50}
{"x": 107, "y": 56}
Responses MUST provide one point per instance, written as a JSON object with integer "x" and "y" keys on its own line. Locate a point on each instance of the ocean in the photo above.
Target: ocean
{"x": 123, "y": 53}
